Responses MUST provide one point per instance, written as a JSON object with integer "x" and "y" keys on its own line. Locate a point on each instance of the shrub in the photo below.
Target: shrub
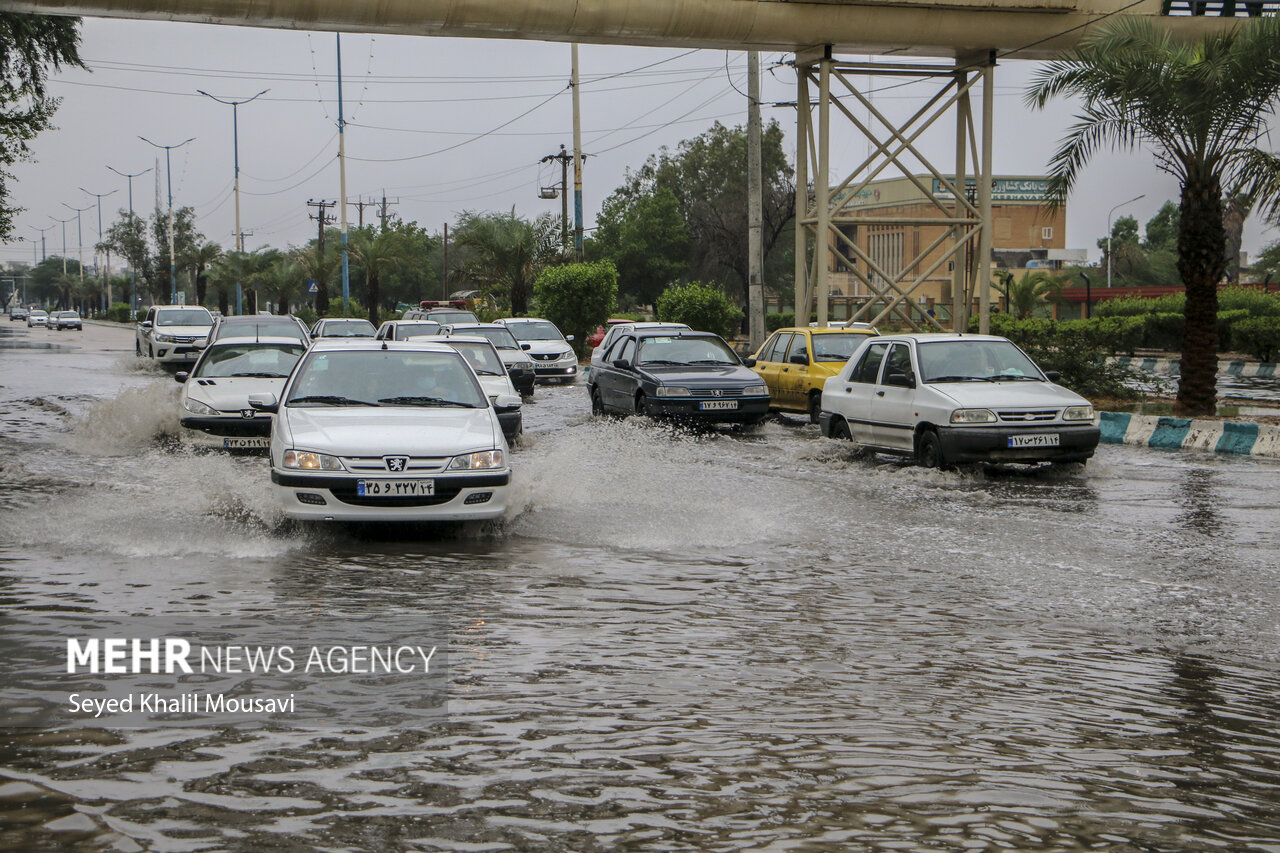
{"x": 1164, "y": 331}
{"x": 306, "y": 315}
{"x": 1257, "y": 303}
{"x": 354, "y": 309}
{"x": 774, "y": 322}
{"x": 1258, "y": 336}
{"x": 1076, "y": 349}
{"x": 578, "y": 297}
{"x": 1226, "y": 320}
{"x": 118, "y": 312}
{"x": 702, "y": 307}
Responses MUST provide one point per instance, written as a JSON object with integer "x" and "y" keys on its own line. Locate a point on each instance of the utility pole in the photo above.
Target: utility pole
{"x": 577, "y": 157}
{"x": 106, "y": 283}
{"x": 342, "y": 181}
{"x": 322, "y": 219}
{"x": 173, "y": 257}
{"x": 360, "y": 206}
{"x": 755, "y": 242}
{"x": 79, "y": 234}
{"x": 444, "y": 266}
{"x": 133, "y": 282}
{"x": 41, "y": 230}
{"x": 564, "y": 157}
{"x": 64, "y": 241}
{"x": 384, "y": 208}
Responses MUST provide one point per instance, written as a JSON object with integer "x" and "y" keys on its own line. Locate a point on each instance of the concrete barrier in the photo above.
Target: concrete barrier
{"x": 1173, "y": 366}
{"x": 1248, "y": 439}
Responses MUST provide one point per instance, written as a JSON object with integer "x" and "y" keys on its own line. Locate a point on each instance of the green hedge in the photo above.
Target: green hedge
{"x": 704, "y": 307}
{"x": 774, "y": 322}
{"x": 1258, "y": 336}
{"x": 1077, "y": 349}
{"x": 118, "y": 312}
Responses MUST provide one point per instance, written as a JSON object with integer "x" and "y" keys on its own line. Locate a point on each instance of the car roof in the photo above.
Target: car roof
{"x": 931, "y": 337}
{"x": 462, "y": 339}
{"x": 426, "y": 344}
{"x": 525, "y": 320}
{"x": 475, "y": 326}
{"x": 238, "y": 319}
{"x": 828, "y": 331}
{"x": 344, "y": 320}
{"x": 680, "y": 333}
{"x": 283, "y": 340}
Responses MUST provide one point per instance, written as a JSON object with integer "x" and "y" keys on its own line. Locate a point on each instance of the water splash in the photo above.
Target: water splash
{"x": 128, "y": 422}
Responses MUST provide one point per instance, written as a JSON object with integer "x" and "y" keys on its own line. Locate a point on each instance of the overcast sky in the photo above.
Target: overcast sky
{"x": 442, "y": 126}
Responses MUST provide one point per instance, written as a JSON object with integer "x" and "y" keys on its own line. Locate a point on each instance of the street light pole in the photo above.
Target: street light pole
{"x": 1113, "y": 210}
{"x": 41, "y": 230}
{"x": 173, "y": 258}
{"x": 106, "y": 284}
{"x": 133, "y": 282}
{"x": 235, "y": 147}
{"x": 79, "y": 235}
{"x": 64, "y": 241}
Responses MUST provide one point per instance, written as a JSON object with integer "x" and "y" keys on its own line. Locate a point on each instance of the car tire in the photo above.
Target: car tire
{"x": 815, "y": 406}
{"x": 929, "y": 450}
{"x": 642, "y": 405}
{"x": 597, "y": 403}
{"x": 137, "y": 349}
{"x": 840, "y": 430}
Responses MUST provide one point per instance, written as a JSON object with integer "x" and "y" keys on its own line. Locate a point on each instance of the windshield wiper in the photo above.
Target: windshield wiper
{"x": 489, "y": 373}
{"x": 709, "y": 361}
{"x": 959, "y": 379}
{"x": 1014, "y": 377}
{"x": 425, "y": 401}
{"x": 264, "y": 375}
{"x": 663, "y": 361}
{"x": 330, "y": 399}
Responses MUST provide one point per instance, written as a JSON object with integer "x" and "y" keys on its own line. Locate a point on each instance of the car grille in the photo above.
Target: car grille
{"x": 443, "y": 495}
{"x": 714, "y": 393}
{"x": 550, "y": 356}
{"x": 375, "y": 464}
{"x": 1029, "y": 416}
{"x": 183, "y": 339}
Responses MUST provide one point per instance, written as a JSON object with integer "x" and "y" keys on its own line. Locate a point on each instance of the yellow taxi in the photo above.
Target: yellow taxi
{"x": 794, "y": 362}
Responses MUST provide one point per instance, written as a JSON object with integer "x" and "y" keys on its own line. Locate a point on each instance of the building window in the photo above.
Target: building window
{"x": 1046, "y": 233}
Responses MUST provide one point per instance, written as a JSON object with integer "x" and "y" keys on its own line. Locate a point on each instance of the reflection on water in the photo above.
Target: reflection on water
{"x": 685, "y": 642}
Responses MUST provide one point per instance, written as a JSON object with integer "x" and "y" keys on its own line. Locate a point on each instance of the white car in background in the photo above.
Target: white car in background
{"x": 948, "y": 398}
{"x": 403, "y": 330}
{"x": 514, "y": 354}
{"x": 387, "y": 431}
{"x": 552, "y": 356}
{"x": 487, "y": 364}
{"x": 37, "y": 318}
{"x": 173, "y": 333}
{"x": 214, "y": 408}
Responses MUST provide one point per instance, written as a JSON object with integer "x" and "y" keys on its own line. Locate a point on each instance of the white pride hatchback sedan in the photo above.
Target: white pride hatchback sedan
{"x": 946, "y": 398}
{"x": 387, "y": 431}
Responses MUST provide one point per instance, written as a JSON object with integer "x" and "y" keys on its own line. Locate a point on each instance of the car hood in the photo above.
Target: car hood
{"x": 417, "y": 431}
{"x": 702, "y": 374}
{"x": 545, "y": 347}
{"x": 182, "y": 331}
{"x": 1022, "y": 395}
{"x": 514, "y": 356}
{"x": 494, "y": 385}
{"x": 231, "y": 394}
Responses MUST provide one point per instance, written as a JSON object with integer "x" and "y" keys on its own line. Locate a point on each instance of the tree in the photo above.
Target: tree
{"x": 703, "y": 307}
{"x": 30, "y": 46}
{"x": 504, "y": 252}
{"x": 1162, "y": 229}
{"x": 378, "y": 251}
{"x": 281, "y": 279}
{"x": 1034, "y": 287}
{"x": 199, "y": 258}
{"x": 127, "y": 237}
{"x": 1201, "y": 108}
{"x": 320, "y": 267}
{"x": 647, "y": 240}
{"x": 1127, "y": 258}
{"x": 185, "y": 239}
{"x": 578, "y": 297}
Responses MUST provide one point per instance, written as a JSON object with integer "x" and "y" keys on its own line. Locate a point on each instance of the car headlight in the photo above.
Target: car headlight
{"x": 756, "y": 391}
{"x": 198, "y": 408}
{"x": 1078, "y": 413}
{"x": 567, "y": 356}
{"x": 164, "y": 339}
{"x": 672, "y": 391}
{"x": 307, "y": 461}
{"x": 973, "y": 416}
{"x": 482, "y": 461}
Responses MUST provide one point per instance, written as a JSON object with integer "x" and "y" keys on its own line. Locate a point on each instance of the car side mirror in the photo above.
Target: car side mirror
{"x": 622, "y": 364}
{"x": 526, "y": 347}
{"x": 800, "y": 358}
{"x": 749, "y": 362}
{"x": 901, "y": 380}
{"x": 146, "y": 324}
{"x": 181, "y": 377}
{"x": 568, "y": 337}
{"x": 1052, "y": 375}
{"x": 264, "y": 402}
{"x": 506, "y": 402}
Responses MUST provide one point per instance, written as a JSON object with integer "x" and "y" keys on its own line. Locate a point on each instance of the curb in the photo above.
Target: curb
{"x": 1172, "y": 366}
{"x": 1246, "y": 439}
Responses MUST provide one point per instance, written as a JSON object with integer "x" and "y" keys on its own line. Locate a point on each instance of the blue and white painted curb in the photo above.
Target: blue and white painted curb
{"x": 1247, "y": 439}
{"x": 1173, "y": 366}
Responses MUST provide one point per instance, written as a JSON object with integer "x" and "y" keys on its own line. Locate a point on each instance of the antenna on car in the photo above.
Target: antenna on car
{"x": 384, "y": 344}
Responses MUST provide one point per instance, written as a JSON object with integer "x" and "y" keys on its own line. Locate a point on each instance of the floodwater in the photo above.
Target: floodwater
{"x": 675, "y": 641}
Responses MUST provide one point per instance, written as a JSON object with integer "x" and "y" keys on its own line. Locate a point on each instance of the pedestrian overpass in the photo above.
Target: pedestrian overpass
{"x": 951, "y": 44}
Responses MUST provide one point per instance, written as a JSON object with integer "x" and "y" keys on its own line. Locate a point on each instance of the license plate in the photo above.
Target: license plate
{"x": 712, "y": 405}
{"x": 395, "y": 488}
{"x": 1043, "y": 439}
{"x": 255, "y": 443}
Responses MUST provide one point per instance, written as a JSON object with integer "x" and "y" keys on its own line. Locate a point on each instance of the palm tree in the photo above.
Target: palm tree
{"x": 1201, "y": 108}
{"x": 377, "y": 251}
{"x": 506, "y": 251}
{"x": 281, "y": 278}
{"x": 1030, "y": 290}
{"x": 199, "y": 259}
{"x": 320, "y": 267}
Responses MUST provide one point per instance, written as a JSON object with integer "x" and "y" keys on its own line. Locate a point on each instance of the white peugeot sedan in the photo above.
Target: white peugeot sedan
{"x": 214, "y": 409}
{"x": 948, "y": 398}
{"x": 553, "y": 358}
{"x": 491, "y": 372}
{"x": 387, "y": 431}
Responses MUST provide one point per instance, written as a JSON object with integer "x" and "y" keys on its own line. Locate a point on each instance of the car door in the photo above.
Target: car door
{"x": 860, "y": 390}
{"x": 793, "y": 378}
{"x": 892, "y": 406}
{"x": 768, "y": 367}
{"x": 613, "y": 381}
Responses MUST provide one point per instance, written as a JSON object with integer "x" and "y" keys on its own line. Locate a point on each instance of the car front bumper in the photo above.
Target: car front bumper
{"x": 522, "y": 380}
{"x": 512, "y": 424}
{"x": 749, "y": 410}
{"x": 175, "y": 353}
{"x": 555, "y": 369}
{"x": 227, "y": 433}
{"x": 991, "y": 444}
{"x": 323, "y": 497}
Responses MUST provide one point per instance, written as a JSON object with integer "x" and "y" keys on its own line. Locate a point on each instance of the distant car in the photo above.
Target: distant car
{"x": 37, "y": 318}
{"x": 689, "y": 375}
{"x": 445, "y": 316}
{"x": 621, "y": 329}
{"x": 795, "y": 362}
{"x": 514, "y": 356}
{"x": 947, "y": 398}
{"x": 343, "y": 327}
{"x": 387, "y": 431}
{"x": 256, "y": 325}
{"x": 170, "y": 333}
{"x": 487, "y": 364}
{"x": 552, "y": 356}
{"x": 17, "y": 313}
{"x": 214, "y": 409}
{"x": 598, "y": 335}
{"x": 66, "y": 320}
{"x": 402, "y": 330}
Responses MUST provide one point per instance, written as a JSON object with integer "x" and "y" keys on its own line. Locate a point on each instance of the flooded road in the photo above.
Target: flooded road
{"x": 674, "y": 642}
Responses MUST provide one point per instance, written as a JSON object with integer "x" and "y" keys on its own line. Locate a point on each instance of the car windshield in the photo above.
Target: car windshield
{"x": 194, "y": 317}
{"x": 837, "y": 347}
{"x": 348, "y": 329}
{"x": 259, "y": 328}
{"x": 404, "y": 331}
{"x": 268, "y": 361}
{"x": 541, "y": 331}
{"x": 676, "y": 350}
{"x": 499, "y": 336}
{"x": 391, "y": 377}
{"x": 70, "y": 315}
{"x": 974, "y": 361}
{"x": 483, "y": 358}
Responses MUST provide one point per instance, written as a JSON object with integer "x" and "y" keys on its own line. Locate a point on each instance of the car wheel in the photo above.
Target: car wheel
{"x": 929, "y": 450}
{"x": 840, "y": 430}
{"x": 137, "y": 349}
{"x": 642, "y": 404}
{"x": 815, "y": 406}
{"x": 597, "y": 403}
